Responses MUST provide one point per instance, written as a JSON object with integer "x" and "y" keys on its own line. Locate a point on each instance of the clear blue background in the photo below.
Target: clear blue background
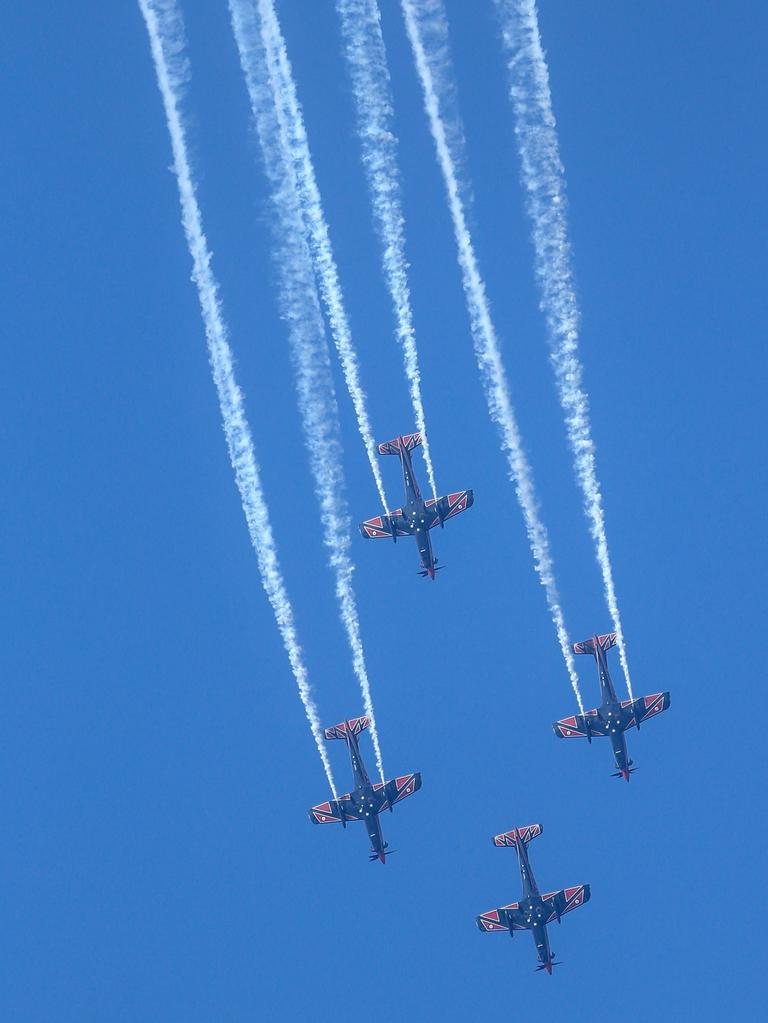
{"x": 155, "y": 767}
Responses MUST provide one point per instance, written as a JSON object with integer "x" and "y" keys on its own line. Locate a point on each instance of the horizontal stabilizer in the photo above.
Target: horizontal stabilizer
{"x": 392, "y": 447}
{"x": 354, "y": 726}
{"x": 526, "y": 835}
{"x": 587, "y": 646}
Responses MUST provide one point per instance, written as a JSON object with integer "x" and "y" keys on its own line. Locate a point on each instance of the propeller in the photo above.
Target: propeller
{"x": 548, "y": 965}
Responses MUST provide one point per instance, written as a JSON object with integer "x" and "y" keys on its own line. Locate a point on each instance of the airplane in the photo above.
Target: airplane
{"x": 417, "y": 516}
{"x": 534, "y": 911}
{"x": 367, "y": 800}
{"x": 613, "y": 717}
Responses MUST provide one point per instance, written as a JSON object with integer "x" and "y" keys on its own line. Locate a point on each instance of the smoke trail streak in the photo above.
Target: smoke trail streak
{"x": 432, "y": 65}
{"x": 262, "y": 55}
{"x": 543, "y": 179}
{"x": 366, "y": 56}
{"x": 167, "y": 41}
{"x": 310, "y": 200}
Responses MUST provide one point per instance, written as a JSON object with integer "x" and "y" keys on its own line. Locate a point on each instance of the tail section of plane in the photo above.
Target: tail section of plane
{"x": 392, "y": 447}
{"x": 354, "y": 726}
{"x": 525, "y": 835}
{"x": 587, "y": 646}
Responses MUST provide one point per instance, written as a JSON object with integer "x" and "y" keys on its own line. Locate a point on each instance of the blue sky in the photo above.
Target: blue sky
{"x": 155, "y": 765}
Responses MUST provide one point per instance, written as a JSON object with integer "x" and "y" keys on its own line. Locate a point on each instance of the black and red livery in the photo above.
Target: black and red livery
{"x": 534, "y": 911}
{"x": 614, "y": 716}
{"x": 368, "y": 799}
{"x": 417, "y": 516}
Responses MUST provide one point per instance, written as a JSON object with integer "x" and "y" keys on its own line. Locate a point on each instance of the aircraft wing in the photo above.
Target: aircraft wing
{"x": 579, "y": 726}
{"x": 397, "y": 789}
{"x": 566, "y": 899}
{"x": 637, "y": 711}
{"x": 392, "y": 525}
{"x": 335, "y": 811}
{"x": 448, "y": 507}
{"x": 343, "y": 809}
{"x": 502, "y": 919}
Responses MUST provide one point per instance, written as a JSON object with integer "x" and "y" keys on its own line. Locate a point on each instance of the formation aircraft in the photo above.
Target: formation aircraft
{"x": 534, "y": 911}
{"x": 367, "y": 800}
{"x": 417, "y": 516}
{"x": 613, "y": 717}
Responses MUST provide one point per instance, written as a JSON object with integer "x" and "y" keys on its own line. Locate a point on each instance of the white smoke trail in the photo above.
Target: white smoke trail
{"x": 543, "y": 178}
{"x": 247, "y": 33}
{"x": 261, "y": 61}
{"x": 167, "y": 41}
{"x": 367, "y": 59}
{"x": 433, "y": 70}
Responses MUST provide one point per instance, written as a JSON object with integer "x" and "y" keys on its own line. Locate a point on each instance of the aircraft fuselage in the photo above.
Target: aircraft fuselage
{"x": 533, "y": 907}
{"x": 610, "y": 713}
{"x": 415, "y": 512}
{"x": 363, "y": 800}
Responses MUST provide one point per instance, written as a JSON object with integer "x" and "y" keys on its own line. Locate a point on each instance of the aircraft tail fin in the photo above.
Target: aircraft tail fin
{"x": 392, "y": 447}
{"x": 525, "y": 835}
{"x": 353, "y": 726}
{"x": 587, "y": 646}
